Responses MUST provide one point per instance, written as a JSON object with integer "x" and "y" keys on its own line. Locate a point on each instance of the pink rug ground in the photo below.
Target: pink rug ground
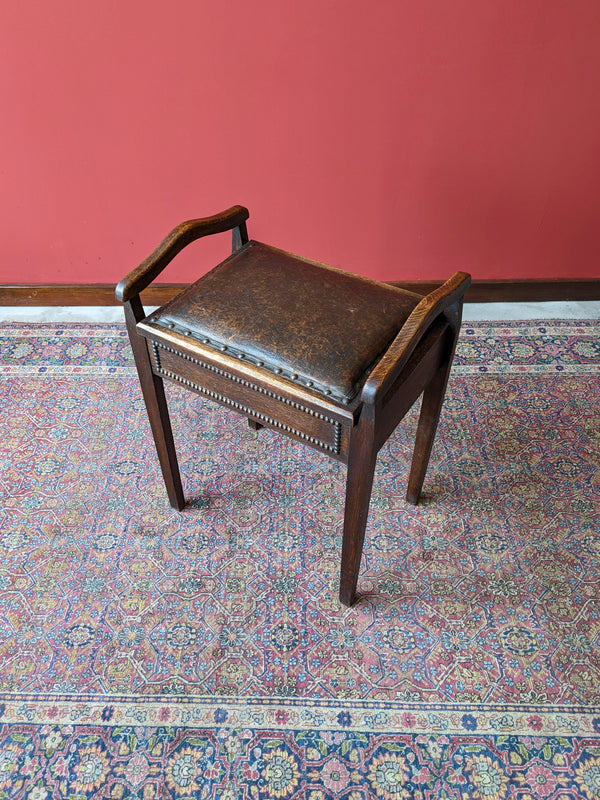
{"x": 150, "y": 653}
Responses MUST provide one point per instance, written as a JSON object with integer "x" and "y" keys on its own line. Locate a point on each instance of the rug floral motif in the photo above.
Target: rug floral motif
{"x": 151, "y": 653}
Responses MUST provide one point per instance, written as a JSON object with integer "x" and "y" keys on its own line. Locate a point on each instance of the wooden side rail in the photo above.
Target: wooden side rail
{"x": 423, "y": 315}
{"x": 140, "y": 277}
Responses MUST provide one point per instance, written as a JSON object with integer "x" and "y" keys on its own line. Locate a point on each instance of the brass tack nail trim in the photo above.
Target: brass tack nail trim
{"x": 219, "y": 398}
{"x": 259, "y": 363}
{"x": 156, "y": 348}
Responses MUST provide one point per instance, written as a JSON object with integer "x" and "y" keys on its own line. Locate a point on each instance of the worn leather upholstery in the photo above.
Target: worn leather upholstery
{"x": 311, "y": 324}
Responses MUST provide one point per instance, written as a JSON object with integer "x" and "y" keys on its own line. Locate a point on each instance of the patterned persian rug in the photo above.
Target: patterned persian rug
{"x": 147, "y": 653}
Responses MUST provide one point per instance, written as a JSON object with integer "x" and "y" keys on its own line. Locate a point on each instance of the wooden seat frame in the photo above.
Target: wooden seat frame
{"x": 417, "y": 361}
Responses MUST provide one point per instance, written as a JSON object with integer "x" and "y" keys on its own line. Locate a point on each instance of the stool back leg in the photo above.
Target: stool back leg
{"x": 431, "y": 406}
{"x": 156, "y": 406}
{"x": 362, "y": 458}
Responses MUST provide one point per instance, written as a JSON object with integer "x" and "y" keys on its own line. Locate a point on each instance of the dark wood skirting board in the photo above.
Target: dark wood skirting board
{"x": 103, "y": 294}
{"x": 523, "y": 291}
{"x": 96, "y": 294}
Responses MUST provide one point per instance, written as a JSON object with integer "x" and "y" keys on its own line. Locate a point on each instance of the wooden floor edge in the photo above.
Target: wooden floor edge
{"x": 103, "y": 294}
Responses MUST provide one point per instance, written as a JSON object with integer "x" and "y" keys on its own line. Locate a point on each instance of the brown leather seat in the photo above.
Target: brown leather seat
{"x": 314, "y": 325}
{"x": 329, "y": 358}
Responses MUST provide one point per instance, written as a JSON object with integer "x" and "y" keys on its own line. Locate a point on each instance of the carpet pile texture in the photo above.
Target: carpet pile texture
{"x": 149, "y": 653}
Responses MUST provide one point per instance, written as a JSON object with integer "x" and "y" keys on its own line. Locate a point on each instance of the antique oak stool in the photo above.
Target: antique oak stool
{"x": 331, "y": 359}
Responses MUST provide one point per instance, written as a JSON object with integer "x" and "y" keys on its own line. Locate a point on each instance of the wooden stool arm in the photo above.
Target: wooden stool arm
{"x": 423, "y": 315}
{"x": 139, "y": 278}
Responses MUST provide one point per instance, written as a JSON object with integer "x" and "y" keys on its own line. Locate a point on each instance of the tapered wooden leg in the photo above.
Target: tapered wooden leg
{"x": 431, "y": 406}
{"x": 156, "y": 406}
{"x": 433, "y": 397}
{"x": 254, "y": 425}
{"x": 361, "y": 467}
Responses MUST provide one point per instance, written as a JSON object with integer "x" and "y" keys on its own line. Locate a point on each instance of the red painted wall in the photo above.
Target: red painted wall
{"x": 399, "y": 139}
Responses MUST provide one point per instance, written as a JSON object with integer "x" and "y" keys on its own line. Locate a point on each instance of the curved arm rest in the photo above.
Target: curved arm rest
{"x": 139, "y": 278}
{"x": 411, "y": 333}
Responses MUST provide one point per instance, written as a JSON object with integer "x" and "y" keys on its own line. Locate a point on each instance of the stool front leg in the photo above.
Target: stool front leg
{"x": 156, "y": 406}
{"x": 362, "y": 458}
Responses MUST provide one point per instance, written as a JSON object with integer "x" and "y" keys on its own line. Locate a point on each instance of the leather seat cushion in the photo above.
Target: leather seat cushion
{"x": 306, "y": 322}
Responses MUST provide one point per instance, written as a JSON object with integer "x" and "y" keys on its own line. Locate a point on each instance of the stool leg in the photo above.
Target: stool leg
{"x": 361, "y": 468}
{"x": 156, "y": 406}
{"x": 431, "y": 406}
